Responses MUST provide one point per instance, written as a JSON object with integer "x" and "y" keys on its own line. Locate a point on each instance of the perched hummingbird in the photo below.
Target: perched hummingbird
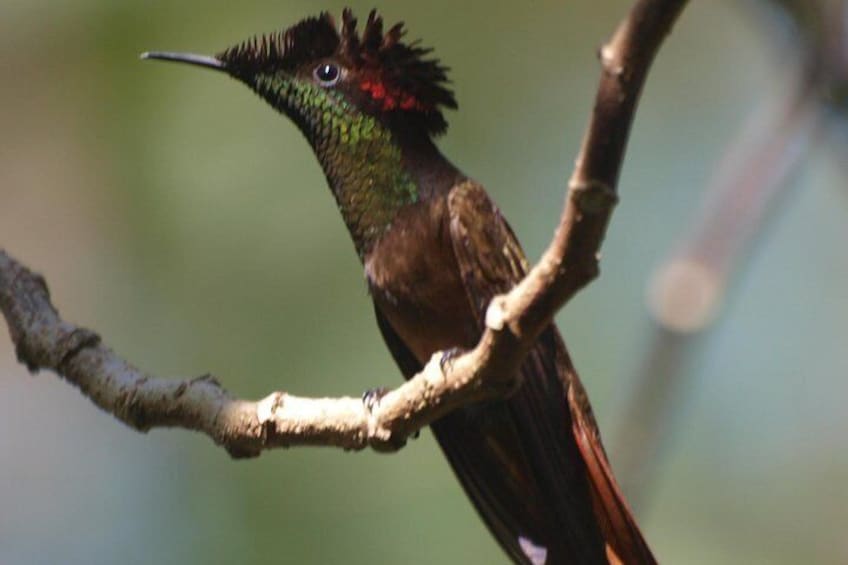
{"x": 436, "y": 250}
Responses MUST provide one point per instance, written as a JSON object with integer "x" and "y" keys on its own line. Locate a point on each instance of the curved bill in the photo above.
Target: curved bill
{"x": 187, "y": 58}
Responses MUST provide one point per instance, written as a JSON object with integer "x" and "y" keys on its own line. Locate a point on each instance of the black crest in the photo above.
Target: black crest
{"x": 309, "y": 39}
{"x": 398, "y": 76}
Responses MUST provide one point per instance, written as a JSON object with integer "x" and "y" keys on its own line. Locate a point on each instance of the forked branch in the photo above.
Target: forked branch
{"x": 513, "y": 322}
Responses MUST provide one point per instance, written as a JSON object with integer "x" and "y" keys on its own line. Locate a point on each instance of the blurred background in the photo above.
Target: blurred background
{"x": 187, "y": 223}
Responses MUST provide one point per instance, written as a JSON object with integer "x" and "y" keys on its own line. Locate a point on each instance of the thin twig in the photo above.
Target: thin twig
{"x": 44, "y": 341}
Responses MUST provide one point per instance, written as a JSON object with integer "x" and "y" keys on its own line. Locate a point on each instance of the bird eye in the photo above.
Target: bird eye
{"x": 327, "y": 74}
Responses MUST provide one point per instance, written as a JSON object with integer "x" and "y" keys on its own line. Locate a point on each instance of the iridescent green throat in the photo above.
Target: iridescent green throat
{"x": 360, "y": 157}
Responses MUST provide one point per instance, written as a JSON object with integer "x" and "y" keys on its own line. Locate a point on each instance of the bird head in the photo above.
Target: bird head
{"x": 315, "y": 71}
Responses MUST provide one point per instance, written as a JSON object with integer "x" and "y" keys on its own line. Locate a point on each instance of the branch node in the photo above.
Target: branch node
{"x": 268, "y": 406}
{"x": 380, "y": 436}
{"x": 607, "y": 55}
{"x": 496, "y": 315}
{"x": 592, "y": 196}
{"x": 74, "y": 342}
{"x": 686, "y": 295}
{"x": 134, "y": 412}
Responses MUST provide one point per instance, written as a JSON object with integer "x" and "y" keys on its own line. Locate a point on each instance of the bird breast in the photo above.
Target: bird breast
{"x": 414, "y": 280}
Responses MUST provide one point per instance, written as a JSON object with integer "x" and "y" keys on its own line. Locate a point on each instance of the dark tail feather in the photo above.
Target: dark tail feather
{"x": 536, "y": 471}
{"x": 625, "y": 543}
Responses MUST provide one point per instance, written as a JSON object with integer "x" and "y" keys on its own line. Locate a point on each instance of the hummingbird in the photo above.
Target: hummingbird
{"x": 435, "y": 250}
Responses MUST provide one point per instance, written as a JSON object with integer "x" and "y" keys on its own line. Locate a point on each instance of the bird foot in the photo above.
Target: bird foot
{"x": 371, "y": 397}
{"x": 448, "y": 357}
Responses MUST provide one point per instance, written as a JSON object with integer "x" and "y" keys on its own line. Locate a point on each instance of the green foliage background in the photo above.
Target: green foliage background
{"x": 190, "y": 225}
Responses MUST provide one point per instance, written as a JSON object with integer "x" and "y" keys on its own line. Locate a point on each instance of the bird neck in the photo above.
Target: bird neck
{"x": 375, "y": 167}
{"x": 364, "y": 166}
{"x": 374, "y": 172}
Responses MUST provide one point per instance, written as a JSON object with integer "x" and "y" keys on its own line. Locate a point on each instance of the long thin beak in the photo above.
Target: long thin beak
{"x": 188, "y": 58}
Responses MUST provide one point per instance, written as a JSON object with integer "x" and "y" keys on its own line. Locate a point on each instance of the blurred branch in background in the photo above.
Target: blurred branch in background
{"x": 688, "y": 290}
{"x": 821, "y": 28}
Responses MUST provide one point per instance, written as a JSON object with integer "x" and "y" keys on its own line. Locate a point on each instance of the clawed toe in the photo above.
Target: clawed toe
{"x": 371, "y": 397}
{"x": 449, "y": 356}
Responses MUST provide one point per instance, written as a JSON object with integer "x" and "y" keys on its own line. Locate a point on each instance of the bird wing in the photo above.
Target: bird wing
{"x": 577, "y": 512}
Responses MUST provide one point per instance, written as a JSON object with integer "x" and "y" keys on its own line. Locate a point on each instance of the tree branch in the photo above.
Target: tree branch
{"x": 513, "y": 321}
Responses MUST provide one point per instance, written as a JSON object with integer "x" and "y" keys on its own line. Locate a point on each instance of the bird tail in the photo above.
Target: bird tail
{"x": 535, "y": 469}
{"x": 624, "y": 540}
